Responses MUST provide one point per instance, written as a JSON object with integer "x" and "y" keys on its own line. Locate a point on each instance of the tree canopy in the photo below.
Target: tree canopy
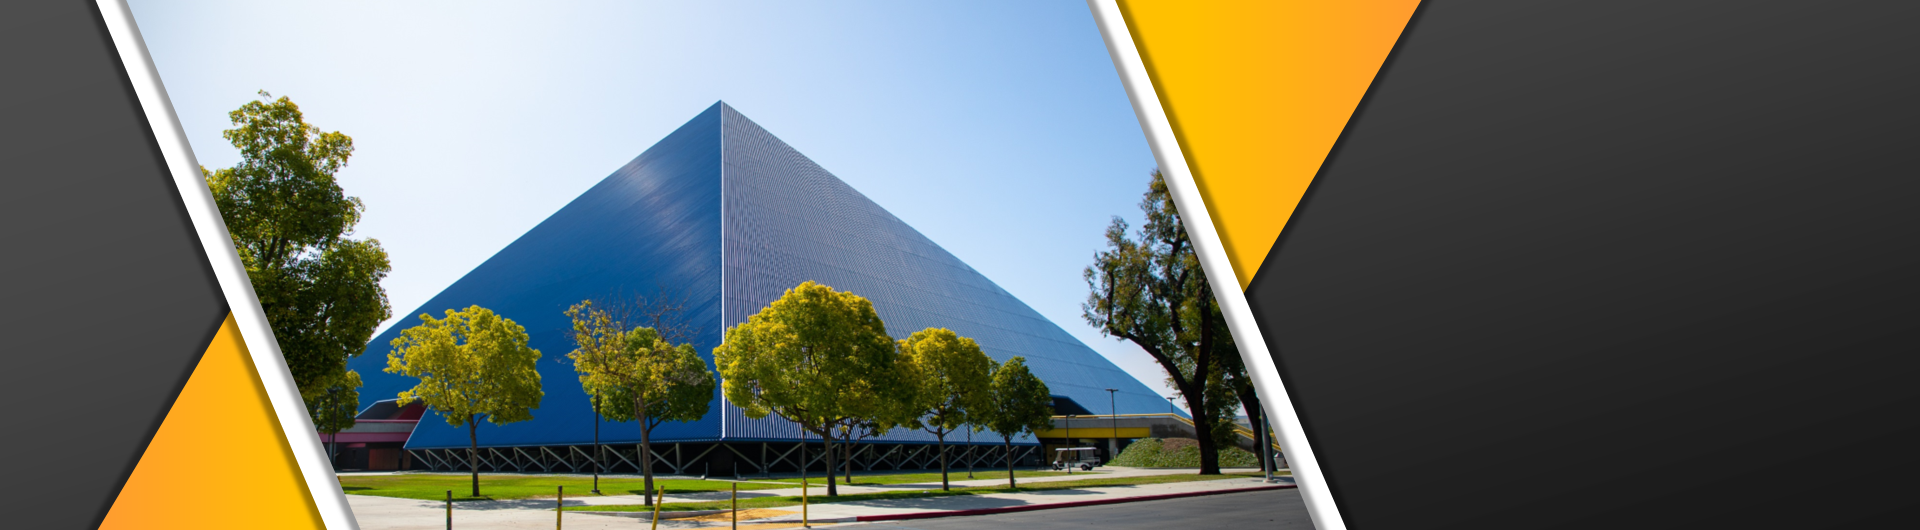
{"x": 637, "y": 375}
{"x": 334, "y": 407}
{"x": 472, "y": 365}
{"x": 670, "y": 382}
{"x": 1016, "y": 402}
{"x": 890, "y": 403}
{"x": 1148, "y": 288}
{"x": 678, "y": 386}
{"x": 948, "y": 376}
{"x": 1237, "y": 384}
{"x": 816, "y": 357}
{"x": 289, "y": 221}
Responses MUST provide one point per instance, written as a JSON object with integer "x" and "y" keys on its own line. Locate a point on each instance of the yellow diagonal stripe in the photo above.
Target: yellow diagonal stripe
{"x": 219, "y": 459}
{"x": 1257, "y": 92}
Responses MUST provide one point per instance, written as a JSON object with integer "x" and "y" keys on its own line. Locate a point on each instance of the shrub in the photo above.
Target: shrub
{"x": 1175, "y": 445}
{"x": 1179, "y": 452}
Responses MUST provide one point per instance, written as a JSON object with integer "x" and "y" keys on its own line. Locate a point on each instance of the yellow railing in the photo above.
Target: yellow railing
{"x": 1243, "y": 431}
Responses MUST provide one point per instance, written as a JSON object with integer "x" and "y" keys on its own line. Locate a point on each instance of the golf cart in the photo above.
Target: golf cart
{"x": 1071, "y": 457}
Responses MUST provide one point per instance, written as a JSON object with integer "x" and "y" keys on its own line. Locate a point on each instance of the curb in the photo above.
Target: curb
{"x": 1073, "y": 504}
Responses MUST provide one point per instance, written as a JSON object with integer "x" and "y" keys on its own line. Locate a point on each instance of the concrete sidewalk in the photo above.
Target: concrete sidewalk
{"x": 818, "y": 487}
{"x": 963, "y": 505}
{"x": 384, "y": 513}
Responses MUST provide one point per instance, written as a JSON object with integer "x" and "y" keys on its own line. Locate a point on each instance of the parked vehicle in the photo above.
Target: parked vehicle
{"x": 1082, "y": 457}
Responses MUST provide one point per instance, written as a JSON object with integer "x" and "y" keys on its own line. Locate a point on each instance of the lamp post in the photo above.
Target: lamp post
{"x": 1063, "y": 456}
{"x": 1170, "y": 409}
{"x": 1266, "y": 448}
{"x": 1113, "y": 444}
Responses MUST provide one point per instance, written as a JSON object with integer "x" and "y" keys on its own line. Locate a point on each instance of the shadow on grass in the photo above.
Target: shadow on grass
{"x": 943, "y": 502}
{"x": 922, "y": 499}
{"x": 907, "y": 498}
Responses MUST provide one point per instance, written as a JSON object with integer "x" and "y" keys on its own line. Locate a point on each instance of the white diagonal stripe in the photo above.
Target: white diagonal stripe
{"x": 258, "y": 335}
{"x": 1213, "y": 258}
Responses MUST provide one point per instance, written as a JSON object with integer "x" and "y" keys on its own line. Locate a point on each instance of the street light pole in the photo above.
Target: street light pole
{"x": 1063, "y": 456}
{"x": 1266, "y": 447}
{"x": 1113, "y": 411}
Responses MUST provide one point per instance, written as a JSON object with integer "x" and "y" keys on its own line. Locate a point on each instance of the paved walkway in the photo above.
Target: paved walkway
{"x": 1256, "y": 510}
{"x": 385, "y": 513}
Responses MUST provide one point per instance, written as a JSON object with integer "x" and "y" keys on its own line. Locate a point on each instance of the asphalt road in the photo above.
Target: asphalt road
{"x": 1259, "y": 509}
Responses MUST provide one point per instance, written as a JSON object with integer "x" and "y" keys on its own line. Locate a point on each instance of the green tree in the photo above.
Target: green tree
{"x": 853, "y": 430}
{"x": 950, "y": 376}
{"x": 333, "y": 408}
{"x": 889, "y": 403}
{"x": 816, "y": 357}
{"x": 1015, "y": 403}
{"x": 1234, "y": 378}
{"x": 1225, "y": 381}
{"x": 1151, "y": 291}
{"x": 289, "y": 221}
{"x": 638, "y": 375}
{"x": 471, "y": 364}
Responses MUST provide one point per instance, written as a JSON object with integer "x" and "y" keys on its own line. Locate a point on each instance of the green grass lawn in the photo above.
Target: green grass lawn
{"x": 772, "y": 502}
{"x": 503, "y": 487}
{"x": 918, "y": 477}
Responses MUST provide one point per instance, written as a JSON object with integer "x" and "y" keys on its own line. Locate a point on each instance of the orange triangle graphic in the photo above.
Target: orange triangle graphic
{"x": 219, "y": 459}
{"x": 1257, "y": 93}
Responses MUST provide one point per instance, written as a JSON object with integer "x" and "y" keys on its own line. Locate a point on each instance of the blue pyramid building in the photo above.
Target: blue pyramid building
{"x": 724, "y": 211}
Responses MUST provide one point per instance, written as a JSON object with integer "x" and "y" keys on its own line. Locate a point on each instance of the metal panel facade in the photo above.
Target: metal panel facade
{"x": 721, "y": 190}
{"x": 655, "y": 221}
{"x": 789, "y": 221}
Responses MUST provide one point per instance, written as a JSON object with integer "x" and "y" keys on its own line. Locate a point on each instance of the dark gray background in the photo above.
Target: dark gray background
{"x": 108, "y": 298}
{"x": 1615, "y": 264}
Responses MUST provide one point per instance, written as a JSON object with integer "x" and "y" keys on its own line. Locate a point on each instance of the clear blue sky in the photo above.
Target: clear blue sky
{"x": 998, "y": 129}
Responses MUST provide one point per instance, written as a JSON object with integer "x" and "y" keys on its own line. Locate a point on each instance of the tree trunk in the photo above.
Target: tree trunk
{"x": 1195, "y": 393}
{"x": 848, "y": 450}
{"x": 597, "y": 455}
{"x": 333, "y": 424}
{"x": 473, "y": 452}
{"x": 1203, "y": 433}
{"x": 1209, "y": 449}
{"x": 1203, "y": 364}
{"x": 942, "y": 442}
{"x": 1009, "y": 441}
{"x": 826, "y": 440}
{"x": 1257, "y": 421}
{"x": 646, "y": 450}
{"x": 969, "y": 450}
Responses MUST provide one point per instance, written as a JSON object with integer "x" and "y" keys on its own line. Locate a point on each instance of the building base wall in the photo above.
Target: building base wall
{"x": 724, "y": 459}
{"x": 376, "y": 456}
